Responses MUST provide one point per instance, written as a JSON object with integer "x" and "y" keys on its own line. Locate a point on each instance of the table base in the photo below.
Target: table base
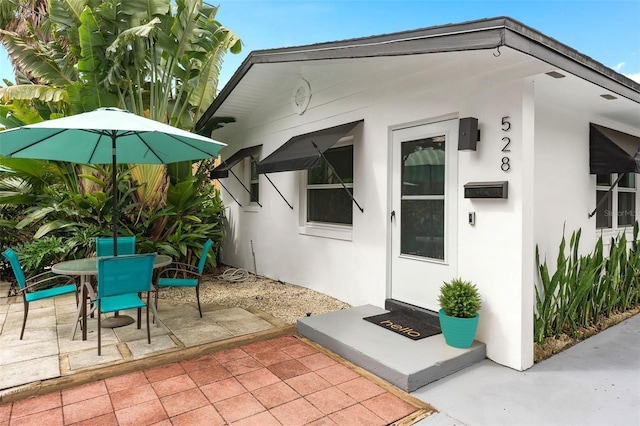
{"x": 119, "y": 321}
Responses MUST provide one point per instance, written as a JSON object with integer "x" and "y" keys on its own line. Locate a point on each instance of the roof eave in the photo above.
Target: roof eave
{"x": 474, "y": 35}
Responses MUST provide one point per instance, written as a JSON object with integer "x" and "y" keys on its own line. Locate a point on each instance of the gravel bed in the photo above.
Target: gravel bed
{"x": 285, "y": 301}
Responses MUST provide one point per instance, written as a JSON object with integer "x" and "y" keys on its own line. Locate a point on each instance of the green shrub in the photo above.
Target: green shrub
{"x": 459, "y": 298}
{"x": 586, "y": 288}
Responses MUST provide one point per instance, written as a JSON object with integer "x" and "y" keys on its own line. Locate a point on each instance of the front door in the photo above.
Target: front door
{"x": 424, "y": 210}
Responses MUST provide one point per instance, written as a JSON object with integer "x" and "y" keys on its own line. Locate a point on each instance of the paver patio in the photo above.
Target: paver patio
{"x": 215, "y": 370}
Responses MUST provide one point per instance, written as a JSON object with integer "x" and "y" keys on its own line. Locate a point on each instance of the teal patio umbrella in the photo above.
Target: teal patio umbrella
{"x": 103, "y": 136}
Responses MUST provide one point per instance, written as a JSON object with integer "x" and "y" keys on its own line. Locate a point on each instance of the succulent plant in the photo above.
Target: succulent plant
{"x": 459, "y": 298}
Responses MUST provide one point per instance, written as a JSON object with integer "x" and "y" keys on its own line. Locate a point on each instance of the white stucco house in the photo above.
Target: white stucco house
{"x": 374, "y": 169}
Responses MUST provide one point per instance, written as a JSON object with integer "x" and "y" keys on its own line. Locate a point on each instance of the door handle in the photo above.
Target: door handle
{"x": 393, "y": 215}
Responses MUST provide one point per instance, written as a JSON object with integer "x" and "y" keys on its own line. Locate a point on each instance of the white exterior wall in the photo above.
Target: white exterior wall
{"x": 549, "y": 183}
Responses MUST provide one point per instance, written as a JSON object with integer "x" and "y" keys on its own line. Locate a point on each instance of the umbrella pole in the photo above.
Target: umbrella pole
{"x": 114, "y": 214}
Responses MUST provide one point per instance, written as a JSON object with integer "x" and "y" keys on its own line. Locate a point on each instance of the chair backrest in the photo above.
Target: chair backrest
{"x": 203, "y": 257}
{"x": 126, "y": 245}
{"x": 125, "y": 274}
{"x": 12, "y": 257}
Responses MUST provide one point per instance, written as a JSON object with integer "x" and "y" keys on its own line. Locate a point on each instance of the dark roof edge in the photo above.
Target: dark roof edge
{"x": 495, "y": 32}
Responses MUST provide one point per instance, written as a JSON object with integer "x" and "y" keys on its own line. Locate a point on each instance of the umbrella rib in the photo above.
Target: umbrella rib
{"x": 35, "y": 143}
{"x": 148, "y": 147}
{"x": 190, "y": 145}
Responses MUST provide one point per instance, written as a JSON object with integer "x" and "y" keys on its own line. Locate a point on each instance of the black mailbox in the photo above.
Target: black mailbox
{"x": 486, "y": 189}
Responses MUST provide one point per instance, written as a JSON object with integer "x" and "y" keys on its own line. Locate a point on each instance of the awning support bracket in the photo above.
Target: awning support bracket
{"x": 245, "y": 188}
{"x": 338, "y": 176}
{"x": 604, "y": 198}
{"x": 229, "y": 192}
{"x": 278, "y": 191}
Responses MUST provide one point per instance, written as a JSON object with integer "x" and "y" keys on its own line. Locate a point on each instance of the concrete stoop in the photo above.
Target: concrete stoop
{"x": 405, "y": 363}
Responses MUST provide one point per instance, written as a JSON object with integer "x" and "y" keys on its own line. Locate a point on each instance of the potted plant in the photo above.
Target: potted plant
{"x": 459, "y": 302}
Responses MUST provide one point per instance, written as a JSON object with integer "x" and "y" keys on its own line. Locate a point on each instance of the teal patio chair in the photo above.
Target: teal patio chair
{"x": 184, "y": 275}
{"x": 120, "y": 280}
{"x": 38, "y": 287}
{"x": 126, "y": 245}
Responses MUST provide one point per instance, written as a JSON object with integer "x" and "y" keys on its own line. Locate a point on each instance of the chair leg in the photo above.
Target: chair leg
{"x": 148, "y": 329}
{"x": 198, "y": 298}
{"x": 99, "y": 329}
{"x": 24, "y": 319}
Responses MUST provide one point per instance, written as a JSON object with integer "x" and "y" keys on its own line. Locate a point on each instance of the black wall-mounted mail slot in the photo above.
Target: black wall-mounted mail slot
{"x": 497, "y": 189}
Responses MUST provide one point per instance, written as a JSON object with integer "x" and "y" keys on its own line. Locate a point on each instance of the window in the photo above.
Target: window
{"x": 327, "y": 200}
{"x": 619, "y": 208}
{"x": 254, "y": 183}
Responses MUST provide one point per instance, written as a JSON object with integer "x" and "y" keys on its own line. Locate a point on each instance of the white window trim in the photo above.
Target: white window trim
{"x": 249, "y": 206}
{"x": 321, "y": 229}
{"x": 616, "y": 230}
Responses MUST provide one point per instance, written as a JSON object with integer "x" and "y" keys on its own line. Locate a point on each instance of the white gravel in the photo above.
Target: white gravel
{"x": 285, "y": 301}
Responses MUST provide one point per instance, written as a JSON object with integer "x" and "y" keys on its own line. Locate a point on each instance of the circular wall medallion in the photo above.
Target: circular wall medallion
{"x": 301, "y": 96}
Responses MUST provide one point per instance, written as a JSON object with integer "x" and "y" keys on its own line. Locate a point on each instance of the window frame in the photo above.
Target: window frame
{"x": 325, "y": 229}
{"x": 613, "y": 199}
{"x": 250, "y": 205}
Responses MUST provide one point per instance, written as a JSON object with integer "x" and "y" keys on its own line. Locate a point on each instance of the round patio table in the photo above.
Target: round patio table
{"x": 88, "y": 266}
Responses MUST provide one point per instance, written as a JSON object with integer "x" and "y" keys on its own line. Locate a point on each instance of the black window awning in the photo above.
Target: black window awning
{"x": 612, "y": 151}
{"x": 303, "y": 152}
{"x": 222, "y": 171}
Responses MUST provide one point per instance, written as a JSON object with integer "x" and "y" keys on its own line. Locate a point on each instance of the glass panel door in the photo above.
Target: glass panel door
{"x": 423, "y": 198}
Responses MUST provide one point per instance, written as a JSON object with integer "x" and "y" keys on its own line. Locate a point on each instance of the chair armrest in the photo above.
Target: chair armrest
{"x": 177, "y": 268}
{"x": 42, "y": 281}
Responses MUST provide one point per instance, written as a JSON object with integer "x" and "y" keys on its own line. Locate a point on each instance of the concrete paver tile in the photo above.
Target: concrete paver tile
{"x": 142, "y": 348}
{"x": 357, "y": 415}
{"x": 173, "y": 385}
{"x": 82, "y": 392}
{"x": 229, "y": 355}
{"x": 263, "y": 418}
{"x": 242, "y": 365}
{"x": 271, "y": 357}
{"x": 223, "y": 389}
{"x": 388, "y": 407}
{"x": 275, "y": 394}
{"x": 36, "y": 404}
{"x": 87, "y": 409}
{"x": 203, "y": 361}
{"x": 288, "y": 369}
{"x": 90, "y": 358}
{"x": 164, "y": 372}
{"x": 296, "y": 413}
{"x": 132, "y": 396}
{"x": 257, "y": 379}
{"x": 147, "y": 413}
{"x": 330, "y": 400}
{"x": 336, "y": 374}
{"x": 184, "y": 401}
{"x": 53, "y": 417}
{"x": 238, "y": 407}
{"x": 125, "y": 381}
{"x": 204, "y": 376}
{"x": 299, "y": 350}
{"x": 28, "y": 371}
{"x": 203, "y": 416}
{"x": 108, "y": 419}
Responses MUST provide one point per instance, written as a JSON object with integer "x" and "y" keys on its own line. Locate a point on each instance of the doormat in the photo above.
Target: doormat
{"x": 404, "y": 325}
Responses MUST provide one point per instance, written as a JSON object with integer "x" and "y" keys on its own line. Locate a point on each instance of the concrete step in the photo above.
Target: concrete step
{"x": 405, "y": 363}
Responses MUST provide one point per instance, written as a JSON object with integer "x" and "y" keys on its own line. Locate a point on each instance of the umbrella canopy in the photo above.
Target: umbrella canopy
{"x": 103, "y": 136}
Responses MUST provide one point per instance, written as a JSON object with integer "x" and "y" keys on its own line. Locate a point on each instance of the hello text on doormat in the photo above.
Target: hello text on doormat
{"x": 404, "y": 325}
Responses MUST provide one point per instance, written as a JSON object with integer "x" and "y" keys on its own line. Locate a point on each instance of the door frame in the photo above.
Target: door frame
{"x": 390, "y": 193}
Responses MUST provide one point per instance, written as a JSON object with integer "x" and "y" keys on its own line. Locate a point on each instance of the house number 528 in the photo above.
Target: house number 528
{"x": 505, "y": 166}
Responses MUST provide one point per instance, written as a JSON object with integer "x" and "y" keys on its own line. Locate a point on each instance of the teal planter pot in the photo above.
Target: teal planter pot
{"x": 458, "y": 332}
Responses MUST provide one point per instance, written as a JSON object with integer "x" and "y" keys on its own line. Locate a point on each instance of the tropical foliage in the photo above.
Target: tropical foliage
{"x": 156, "y": 58}
{"x": 586, "y": 288}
